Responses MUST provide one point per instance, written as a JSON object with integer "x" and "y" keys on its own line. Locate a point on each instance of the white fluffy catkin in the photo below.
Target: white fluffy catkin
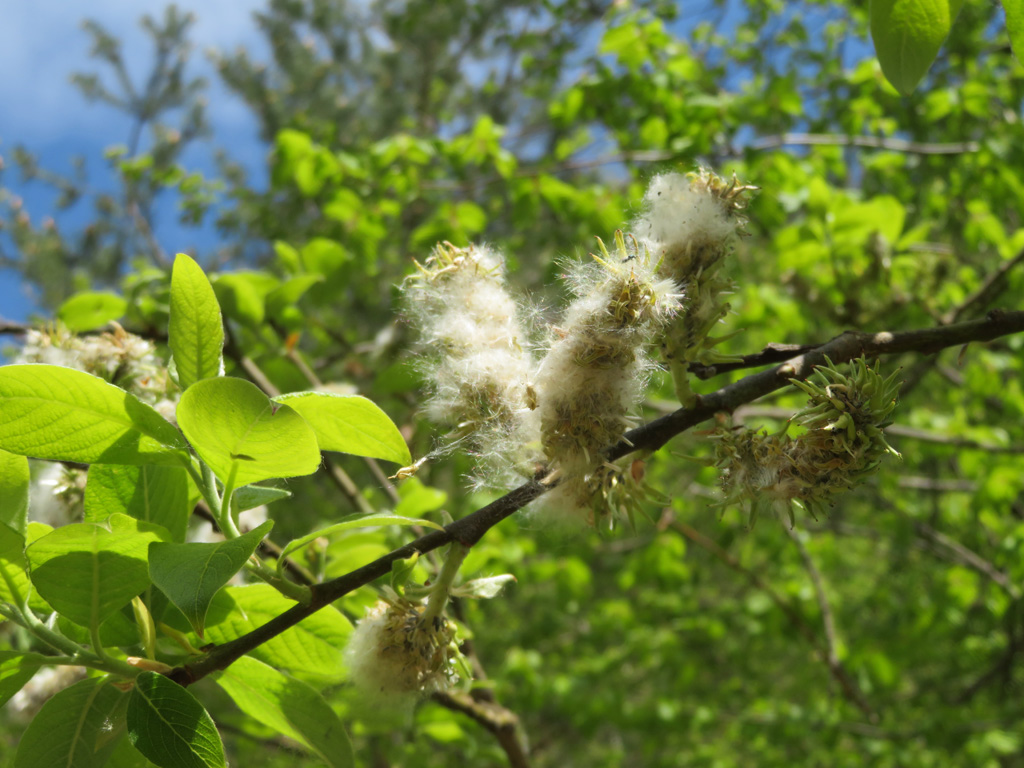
{"x": 394, "y": 653}
{"x": 594, "y": 374}
{"x": 691, "y": 224}
{"x": 476, "y": 355}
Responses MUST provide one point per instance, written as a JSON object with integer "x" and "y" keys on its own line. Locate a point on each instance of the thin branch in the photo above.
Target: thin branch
{"x": 868, "y": 142}
{"x": 827, "y": 618}
{"x": 772, "y": 353}
{"x": 841, "y": 349}
{"x": 650, "y": 437}
{"x": 936, "y": 485}
{"x": 970, "y": 558}
{"x": 987, "y": 292}
{"x": 501, "y": 722}
{"x": 993, "y": 285}
{"x": 827, "y": 656}
{"x": 893, "y": 430}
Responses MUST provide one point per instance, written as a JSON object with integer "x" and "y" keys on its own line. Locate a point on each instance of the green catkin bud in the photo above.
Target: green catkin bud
{"x": 476, "y": 355}
{"x": 843, "y": 444}
{"x": 398, "y": 652}
{"x": 594, "y": 374}
{"x": 691, "y": 224}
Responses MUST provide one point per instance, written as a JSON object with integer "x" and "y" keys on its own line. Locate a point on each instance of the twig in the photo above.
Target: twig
{"x": 987, "y": 292}
{"x": 894, "y": 430}
{"x": 868, "y": 142}
{"x": 503, "y": 723}
{"x": 970, "y": 558}
{"x": 936, "y": 485}
{"x": 484, "y": 707}
{"x": 772, "y": 353}
{"x": 650, "y": 437}
{"x": 827, "y": 656}
{"x": 827, "y": 618}
{"x": 994, "y": 284}
{"x": 841, "y": 349}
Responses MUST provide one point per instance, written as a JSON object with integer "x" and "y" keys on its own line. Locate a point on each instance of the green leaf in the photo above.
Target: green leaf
{"x": 242, "y": 295}
{"x": 91, "y": 310}
{"x": 311, "y": 650}
{"x": 191, "y": 574}
{"x": 907, "y": 36}
{"x": 288, "y": 256}
{"x": 418, "y": 499}
{"x": 16, "y": 669}
{"x": 150, "y": 493}
{"x": 14, "y": 482}
{"x": 57, "y": 413}
{"x": 350, "y": 424}
{"x": 86, "y": 311}
{"x": 15, "y": 584}
{"x": 196, "y": 331}
{"x": 289, "y": 292}
{"x": 170, "y": 727}
{"x": 87, "y": 572}
{"x": 74, "y": 728}
{"x": 289, "y": 707}
{"x": 1015, "y": 26}
{"x": 401, "y": 572}
{"x": 242, "y": 435}
{"x": 251, "y": 496}
{"x": 353, "y": 521}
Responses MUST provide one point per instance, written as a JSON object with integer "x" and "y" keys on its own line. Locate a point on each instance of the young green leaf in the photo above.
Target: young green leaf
{"x": 56, "y": 413}
{"x": 196, "y": 332}
{"x": 1015, "y": 26}
{"x": 191, "y": 574}
{"x": 353, "y": 521}
{"x": 310, "y": 650}
{"x": 91, "y": 310}
{"x": 289, "y": 707}
{"x": 242, "y": 295}
{"x": 150, "y": 493}
{"x": 16, "y": 669}
{"x": 15, "y": 585}
{"x": 74, "y": 728}
{"x": 350, "y": 424}
{"x": 87, "y": 573}
{"x": 907, "y": 36}
{"x": 242, "y": 435}
{"x": 251, "y": 496}
{"x": 14, "y": 482}
{"x": 170, "y": 727}
{"x": 401, "y": 572}
{"x": 418, "y": 499}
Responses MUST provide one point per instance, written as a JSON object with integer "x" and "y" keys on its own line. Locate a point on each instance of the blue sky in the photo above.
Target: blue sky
{"x": 42, "y": 43}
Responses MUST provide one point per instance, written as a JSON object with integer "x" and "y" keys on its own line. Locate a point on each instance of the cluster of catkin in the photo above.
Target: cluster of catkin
{"x": 556, "y": 406}
{"x": 567, "y": 408}
{"x": 842, "y": 443}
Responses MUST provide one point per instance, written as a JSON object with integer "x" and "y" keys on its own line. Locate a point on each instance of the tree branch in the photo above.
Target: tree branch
{"x": 471, "y": 528}
{"x": 828, "y": 657}
{"x": 868, "y": 142}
